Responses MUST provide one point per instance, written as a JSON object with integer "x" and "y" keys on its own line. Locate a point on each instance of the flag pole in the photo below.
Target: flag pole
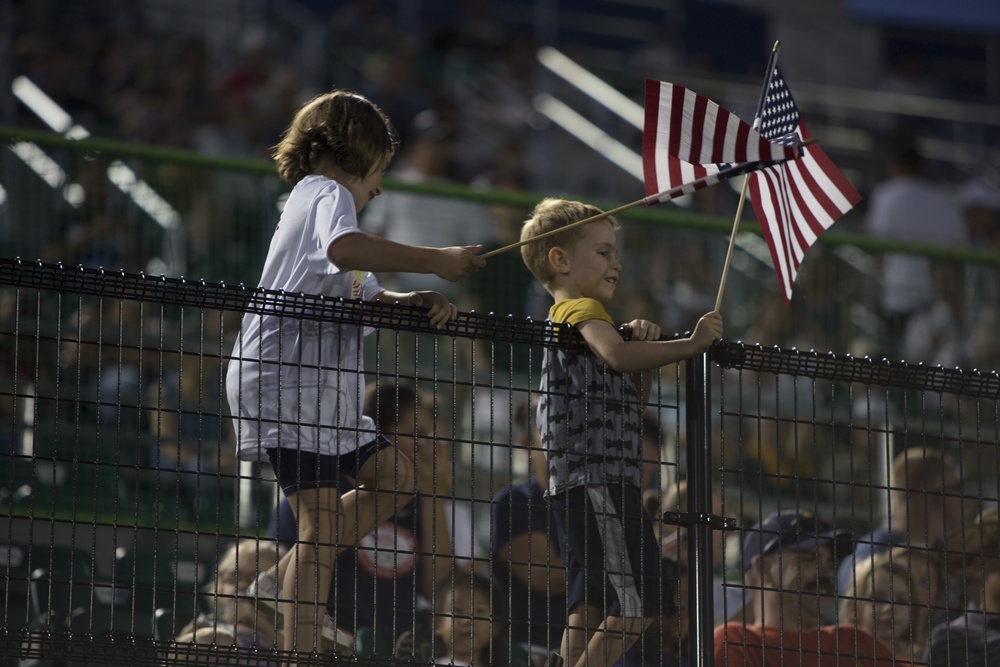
{"x": 585, "y": 221}
{"x": 772, "y": 61}
{"x": 651, "y": 199}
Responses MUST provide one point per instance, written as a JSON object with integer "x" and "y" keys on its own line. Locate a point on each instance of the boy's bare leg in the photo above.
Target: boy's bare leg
{"x": 583, "y": 620}
{"x": 308, "y": 568}
{"x": 611, "y": 640}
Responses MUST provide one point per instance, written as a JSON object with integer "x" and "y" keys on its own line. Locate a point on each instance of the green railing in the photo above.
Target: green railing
{"x": 211, "y": 217}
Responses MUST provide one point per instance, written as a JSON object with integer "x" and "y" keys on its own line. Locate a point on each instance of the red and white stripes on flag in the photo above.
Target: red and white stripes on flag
{"x": 797, "y": 200}
{"x": 690, "y": 142}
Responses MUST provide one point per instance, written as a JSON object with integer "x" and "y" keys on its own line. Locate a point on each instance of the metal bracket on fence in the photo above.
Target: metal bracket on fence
{"x": 691, "y": 518}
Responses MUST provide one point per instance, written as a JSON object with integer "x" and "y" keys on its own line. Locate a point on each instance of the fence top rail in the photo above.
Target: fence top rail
{"x": 202, "y": 294}
{"x": 847, "y": 368}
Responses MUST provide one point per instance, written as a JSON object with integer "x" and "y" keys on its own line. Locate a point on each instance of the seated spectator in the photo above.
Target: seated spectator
{"x": 888, "y": 601}
{"x": 393, "y": 572}
{"x": 788, "y": 565}
{"x": 469, "y": 625}
{"x": 232, "y": 622}
{"x": 237, "y": 568}
{"x": 973, "y": 639}
{"x": 923, "y": 501}
{"x": 525, "y": 550}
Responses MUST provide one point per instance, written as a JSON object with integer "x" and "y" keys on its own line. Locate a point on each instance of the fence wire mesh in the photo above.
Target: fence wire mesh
{"x": 133, "y": 530}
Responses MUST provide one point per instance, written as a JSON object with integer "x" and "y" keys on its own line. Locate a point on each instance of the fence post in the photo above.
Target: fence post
{"x": 699, "y": 489}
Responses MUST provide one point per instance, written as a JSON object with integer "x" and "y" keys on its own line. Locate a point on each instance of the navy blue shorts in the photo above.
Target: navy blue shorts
{"x": 611, "y": 554}
{"x": 296, "y": 470}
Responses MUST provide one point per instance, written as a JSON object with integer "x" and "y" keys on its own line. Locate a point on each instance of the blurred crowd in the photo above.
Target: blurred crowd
{"x": 462, "y": 99}
{"x": 460, "y": 91}
{"x": 789, "y": 585}
{"x": 121, "y": 73}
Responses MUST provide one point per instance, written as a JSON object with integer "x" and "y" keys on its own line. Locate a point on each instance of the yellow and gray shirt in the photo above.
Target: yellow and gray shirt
{"x": 589, "y": 415}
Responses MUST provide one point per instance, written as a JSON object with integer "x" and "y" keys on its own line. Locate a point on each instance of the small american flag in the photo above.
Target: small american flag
{"x": 690, "y": 142}
{"x": 797, "y": 200}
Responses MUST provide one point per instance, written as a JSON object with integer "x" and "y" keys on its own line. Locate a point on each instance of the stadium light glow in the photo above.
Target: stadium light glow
{"x": 592, "y": 86}
{"x": 46, "y": 108}
{"x": 40, "y": 163}
{"x": 158, "y": 208}
{"x": 581, "y": 128}
{"x": 122, "y": 176}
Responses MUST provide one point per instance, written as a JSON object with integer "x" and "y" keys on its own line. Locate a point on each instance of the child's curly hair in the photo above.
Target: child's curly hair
{"x": 340, "y": 128}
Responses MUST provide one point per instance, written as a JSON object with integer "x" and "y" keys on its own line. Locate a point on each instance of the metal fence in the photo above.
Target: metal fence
{"x": 128, "y": 521}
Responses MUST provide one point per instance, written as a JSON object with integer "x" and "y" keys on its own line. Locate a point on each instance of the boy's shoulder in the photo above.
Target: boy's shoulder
{"x": 575, "y": 311}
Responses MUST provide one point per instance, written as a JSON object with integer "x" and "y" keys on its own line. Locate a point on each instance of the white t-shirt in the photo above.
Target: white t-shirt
{"x": 915, "y": 210}
{"x": 298, "y": 383}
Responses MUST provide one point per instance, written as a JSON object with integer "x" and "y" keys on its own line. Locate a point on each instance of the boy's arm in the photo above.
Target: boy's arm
{"x": 634, "y": 356}
{"x": 364, "y": 252}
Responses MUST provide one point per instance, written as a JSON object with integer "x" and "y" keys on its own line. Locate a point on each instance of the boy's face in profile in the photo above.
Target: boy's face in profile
{"x": 590, "y": 267}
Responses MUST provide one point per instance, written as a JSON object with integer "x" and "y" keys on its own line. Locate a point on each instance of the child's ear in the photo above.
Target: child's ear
{"x": 558, "y": 259}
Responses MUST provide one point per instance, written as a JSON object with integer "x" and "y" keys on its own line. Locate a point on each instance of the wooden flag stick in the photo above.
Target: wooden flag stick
{"x": 593, "y": 218}
{"x": 732, "y": 242}
{"x": 771, "y": 63}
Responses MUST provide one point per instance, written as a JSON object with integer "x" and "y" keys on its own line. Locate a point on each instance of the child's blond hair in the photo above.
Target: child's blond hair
{"x": 549, "y": 214}
{"x": 337, "y": 128}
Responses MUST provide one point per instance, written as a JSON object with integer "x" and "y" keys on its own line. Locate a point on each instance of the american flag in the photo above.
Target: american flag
{"x": 690, "y": 142}
{"x": 795, "y": 200}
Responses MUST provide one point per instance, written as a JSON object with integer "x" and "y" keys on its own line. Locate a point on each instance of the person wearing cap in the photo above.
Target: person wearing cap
{"x": 788, "y": 565}
{"x": 972, "y": 639}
